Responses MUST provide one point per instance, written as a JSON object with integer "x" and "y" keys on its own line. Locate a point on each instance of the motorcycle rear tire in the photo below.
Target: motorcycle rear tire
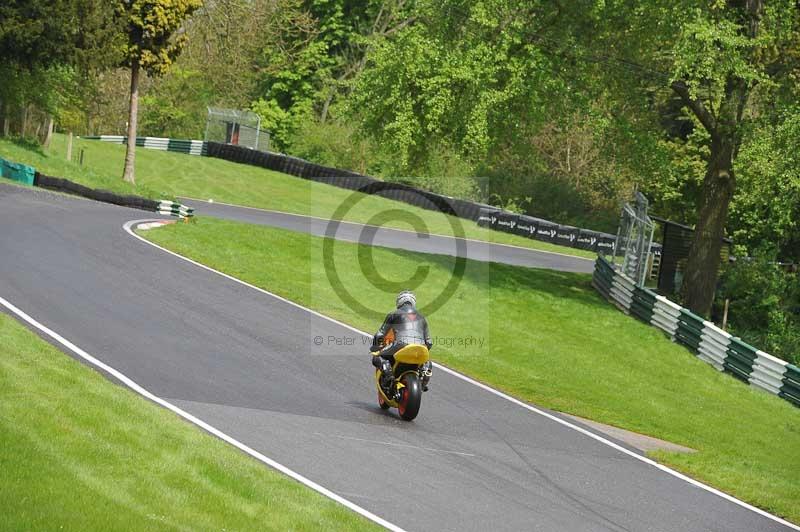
{"x": 410, "y": 397}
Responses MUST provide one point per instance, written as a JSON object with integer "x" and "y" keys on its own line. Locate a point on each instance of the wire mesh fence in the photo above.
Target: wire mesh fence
{"x": 634, "y": 240}
{"x": 237, "y": 127}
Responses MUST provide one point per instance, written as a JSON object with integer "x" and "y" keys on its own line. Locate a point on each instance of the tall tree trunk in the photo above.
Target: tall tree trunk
{"x": 702, "y": 268}
{"x": 6, "y": 121}
{"x": 130, "y": 153}
{"x": 24, "y": 119}
{"x": 49, "y": 132}
{"x": 324, "y": 114}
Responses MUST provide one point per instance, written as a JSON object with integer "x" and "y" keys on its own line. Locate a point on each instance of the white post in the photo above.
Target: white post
{"x": 258, "y": 129}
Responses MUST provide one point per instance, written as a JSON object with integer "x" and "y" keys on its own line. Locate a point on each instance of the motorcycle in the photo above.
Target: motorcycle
{"x": 405, "y": 392}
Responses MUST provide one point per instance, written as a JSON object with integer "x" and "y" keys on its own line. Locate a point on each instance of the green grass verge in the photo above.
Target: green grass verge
{"x": 549, "y": 339}
{"x": 164, "y": 175}
{"x": 79, "y": 453}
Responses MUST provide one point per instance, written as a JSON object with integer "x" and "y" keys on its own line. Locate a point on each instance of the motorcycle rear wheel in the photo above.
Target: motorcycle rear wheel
{"x": 410, "y": 397}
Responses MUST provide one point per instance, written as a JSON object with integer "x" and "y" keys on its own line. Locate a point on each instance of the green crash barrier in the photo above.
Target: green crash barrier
{"x": 791, "y": 385}
{"x": 739, "y": 360}
{"x": 712, "y": 345}
{"x": 21, "y": 173}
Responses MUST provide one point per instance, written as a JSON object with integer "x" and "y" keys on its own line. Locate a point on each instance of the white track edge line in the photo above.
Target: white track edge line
{"x": 494, "y": 391}
{"x": 199, "y": 422}
{"x": 387, "y": 228}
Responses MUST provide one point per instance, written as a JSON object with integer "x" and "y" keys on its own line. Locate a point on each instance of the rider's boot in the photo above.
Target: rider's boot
{"x": 427, "y": 372}
{"x": 387, "y": 375}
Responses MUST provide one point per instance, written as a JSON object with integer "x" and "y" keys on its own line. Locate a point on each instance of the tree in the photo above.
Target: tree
{"x": 49, "y": 47}
{"x": 482, "y": 74}
{"x": 154, "y": 41}
{"x": 730, "y": 62}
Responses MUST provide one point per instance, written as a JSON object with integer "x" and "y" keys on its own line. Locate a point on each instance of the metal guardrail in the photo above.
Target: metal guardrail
{"x": 175, "y": 209}
{"x": 710, "y": 343}
{"x": 189, "y": 147}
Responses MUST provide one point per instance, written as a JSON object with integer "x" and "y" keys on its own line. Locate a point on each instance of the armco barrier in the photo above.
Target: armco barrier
{"x": 790, "y": 385}
{"x": 706, "y": 340}
{"x": 175, "y": 209}
{"x": 189, "y": 147}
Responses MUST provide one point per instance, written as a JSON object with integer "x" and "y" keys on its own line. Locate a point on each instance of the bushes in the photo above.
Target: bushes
{"x": 764, "y": 305}
{"x": 332, "y": 144}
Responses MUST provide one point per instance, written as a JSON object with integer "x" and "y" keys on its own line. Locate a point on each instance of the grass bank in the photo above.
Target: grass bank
{"x": 548, "y": 339}
{"x": 80, "y": 453}
{"x": 165, "y": 175}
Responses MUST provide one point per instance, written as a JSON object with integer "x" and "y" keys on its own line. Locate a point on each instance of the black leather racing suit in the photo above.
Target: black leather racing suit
{"x": 409, "y": 327}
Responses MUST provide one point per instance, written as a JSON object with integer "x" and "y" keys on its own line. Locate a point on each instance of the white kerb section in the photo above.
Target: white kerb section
{"x": 116, "y": 139}
{"x": 622, "y": 291}
{"x": 156, "y": 143}
{"x": 196, "y": 147}
{"x": 665, "y": 315}
{"x": 714, "y": 344}
{"x": 768, "y": 372}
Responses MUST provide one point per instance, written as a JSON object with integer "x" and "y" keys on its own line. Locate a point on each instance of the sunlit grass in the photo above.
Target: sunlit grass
{"x": 81, "y": 453}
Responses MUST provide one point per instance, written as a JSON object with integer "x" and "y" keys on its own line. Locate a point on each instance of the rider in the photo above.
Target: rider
{"x": 402, "y": 327}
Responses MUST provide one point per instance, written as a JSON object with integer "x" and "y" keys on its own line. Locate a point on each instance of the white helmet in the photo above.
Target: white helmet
{"x": 406, "y": 296}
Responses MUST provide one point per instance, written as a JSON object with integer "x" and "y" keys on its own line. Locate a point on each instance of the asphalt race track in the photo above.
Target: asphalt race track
{"x": 246, "y": 363}
{"x": 392, "y": 238}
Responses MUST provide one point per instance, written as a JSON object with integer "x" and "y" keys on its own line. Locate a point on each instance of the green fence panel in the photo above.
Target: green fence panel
{"x": 791, "y": 385}
{"x": 180, "y": 146}
{"x": 605, "y": 280}
{"x": 641, "y": 311}
{"x": 739, "y": 360}
{"x": 603, "y": 264}
{"x": 603, "y": 285}
{"x": 644, "y": 296}
{"x": 742, "y": 351}
{"x": 642, "y": 304}
{"x": 689, "y": 340}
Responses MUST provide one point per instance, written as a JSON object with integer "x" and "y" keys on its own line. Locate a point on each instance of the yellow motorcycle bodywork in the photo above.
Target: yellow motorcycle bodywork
{"x": 415, "y": 355}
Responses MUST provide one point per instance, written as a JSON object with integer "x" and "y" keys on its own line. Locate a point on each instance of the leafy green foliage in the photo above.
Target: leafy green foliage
{"x": 50, "y": 51}
{"x": 335, "y": 144}
{"x": 764, "y": 304}
{"x": 178, "y": 108}
{"x": 767, "y": 206}
{"x": 151, "y": 26}
{"x": 460, "y": 80}
{"x": 38, "y": 34}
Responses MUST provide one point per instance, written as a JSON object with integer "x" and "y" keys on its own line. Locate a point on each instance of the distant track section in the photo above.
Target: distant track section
{"x": 395, "y": 238}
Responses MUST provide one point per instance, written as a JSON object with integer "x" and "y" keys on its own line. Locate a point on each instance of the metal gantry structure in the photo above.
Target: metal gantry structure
{"x": 634, "y": 239}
